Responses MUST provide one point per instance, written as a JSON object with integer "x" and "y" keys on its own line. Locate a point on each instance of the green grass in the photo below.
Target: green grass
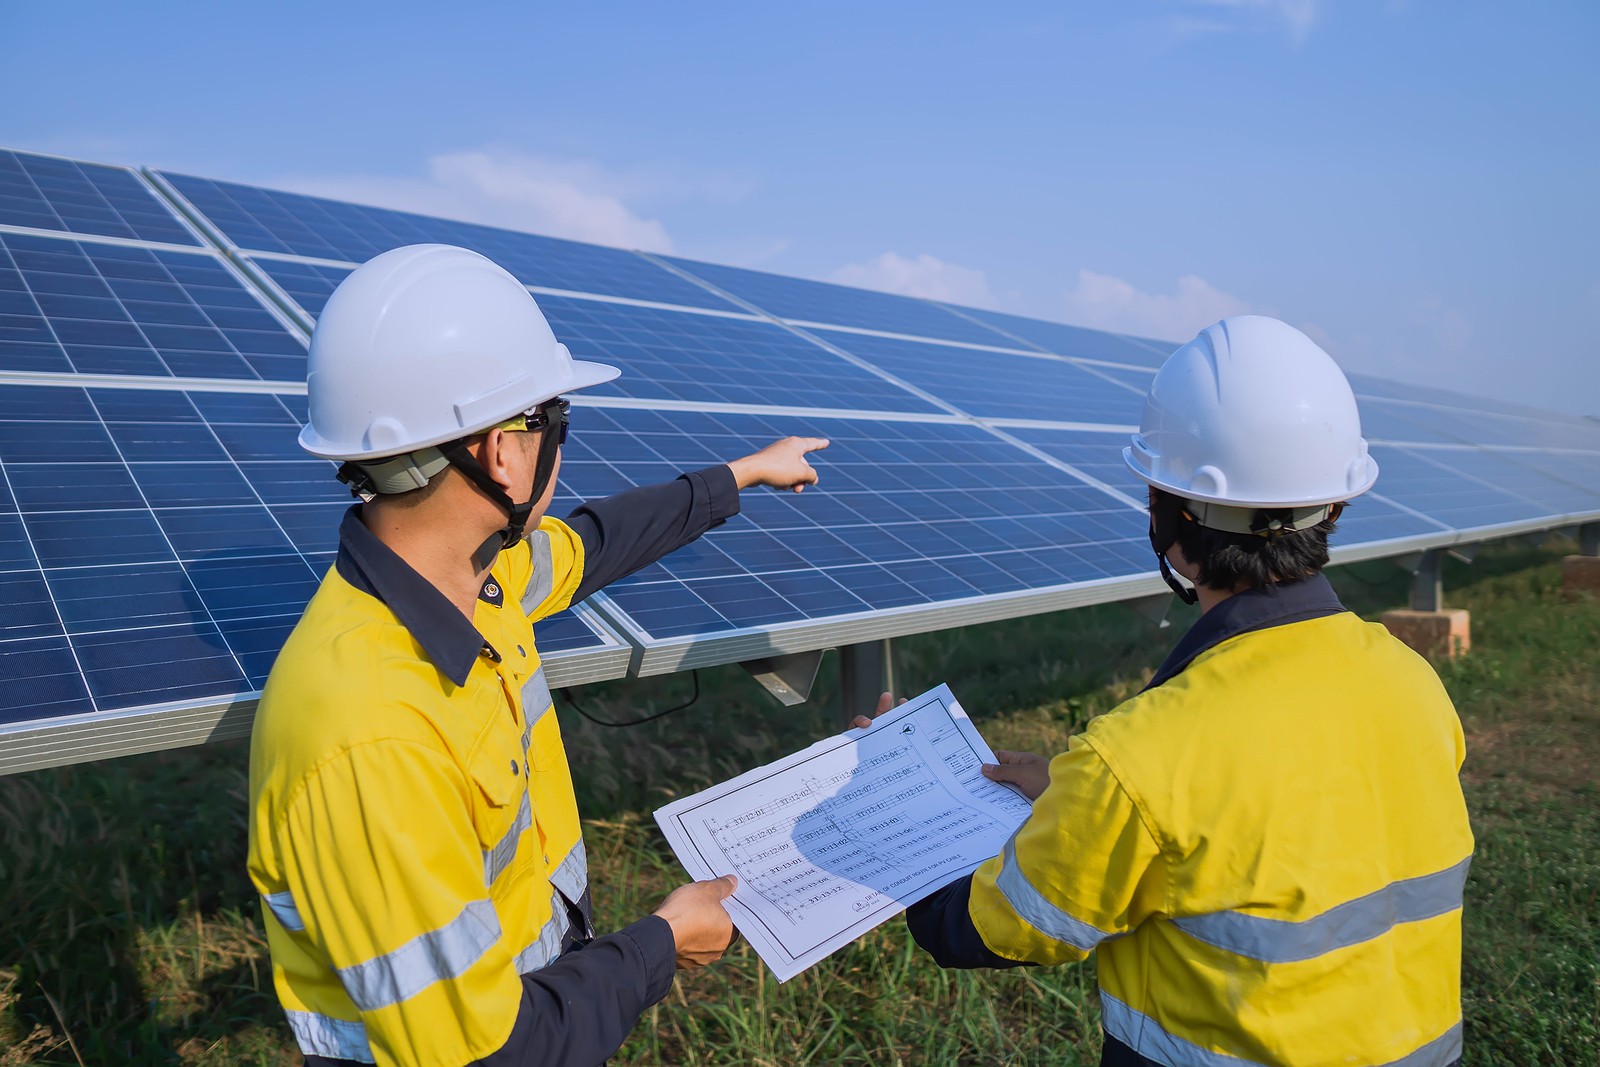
{"x": 129, "y": 935}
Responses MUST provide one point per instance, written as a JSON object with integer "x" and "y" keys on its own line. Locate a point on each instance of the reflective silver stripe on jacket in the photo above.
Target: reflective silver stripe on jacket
{"x": 535, "y": 702}
{"x": 543, "y": 578}
{"x": 282, "y": 905}
{"x": 1147, "y": 1037}
{"x": 1039, "y": 912}
{"x": 428, "y": 958}
{"x": 1350, "y": 923}
{"x": 498, "y": 858}
{"x": 323, "y": 1035}
{"x": 571, "y": 876}
{"x": 547, "y": 946}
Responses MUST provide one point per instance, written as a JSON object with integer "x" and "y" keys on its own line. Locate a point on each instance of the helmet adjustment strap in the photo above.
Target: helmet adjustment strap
{"x": 516, "y": 514}
{"x": 1162, "y": 537}
{"x": 1260, "y": 522}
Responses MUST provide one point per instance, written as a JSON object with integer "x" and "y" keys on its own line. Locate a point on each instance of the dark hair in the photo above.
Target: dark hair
{"x": 1232, "y": 560}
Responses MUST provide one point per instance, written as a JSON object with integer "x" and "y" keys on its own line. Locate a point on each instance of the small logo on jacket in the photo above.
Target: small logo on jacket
{"x": 491, "y": 593}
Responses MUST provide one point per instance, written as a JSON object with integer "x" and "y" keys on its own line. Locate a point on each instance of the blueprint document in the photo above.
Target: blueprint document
{"x": 832, "y": 841}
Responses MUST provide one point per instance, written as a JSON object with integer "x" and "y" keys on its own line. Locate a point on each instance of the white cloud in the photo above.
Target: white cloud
{"x": 579, "y": 199}
{"x": 1103, "y": 302}
{"x": 1448, "y": 328}
{"x": 1296, "y": 16}
{"x": 924, "y": 275}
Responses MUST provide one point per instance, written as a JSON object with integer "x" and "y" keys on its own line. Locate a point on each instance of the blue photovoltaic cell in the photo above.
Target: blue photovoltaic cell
{"x": 1440, "y": 490}
{"x": 265, "y": 220}
{"x": 79, "y": 307}
{"x": 1415, "y": 422}
{"x": 905, "y": 514}
{"x": 997, "y": 384}
{"x": 1075, "y": 341}
{"x": 158, "y": 546}
{"x": 1549, "y": 481}
{"x": 840, "y": 305}
{"x": 675, "y": 355}
{"x": 1384, "y": 389}
{"x": 46, "y": 193}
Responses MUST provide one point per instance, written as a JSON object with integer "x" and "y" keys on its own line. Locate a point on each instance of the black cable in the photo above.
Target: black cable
{"x": 566, "y": 695}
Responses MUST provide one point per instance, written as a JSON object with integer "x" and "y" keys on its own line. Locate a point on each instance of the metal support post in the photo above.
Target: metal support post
{"x": 1589, "y": 539}
{"x": 789, "y": 678}
{"x": 866, "y": 671}
{"x": 1427, "y": 582}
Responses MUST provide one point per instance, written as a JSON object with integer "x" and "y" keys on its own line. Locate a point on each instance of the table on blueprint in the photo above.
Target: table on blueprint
{"x": 834, "y": 840}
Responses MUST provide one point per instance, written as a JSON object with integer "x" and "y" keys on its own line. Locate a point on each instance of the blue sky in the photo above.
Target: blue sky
{"x": 1414, "y": 183}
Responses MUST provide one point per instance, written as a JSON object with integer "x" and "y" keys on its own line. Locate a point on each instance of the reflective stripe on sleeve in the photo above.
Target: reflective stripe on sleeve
{"x": 1149, "y": 1039}
{"x": 441, "y": 954}
{"x": 543, "y": 579}
{"x": 1350, "y": 923}
{"x": 571, "y": 875}
{"x": 283, "y": 907}
{"x": 323, "y": 1035}
{"x": 498, "y": 858}
{"x": 535, "y": 702}
{"x": 1038, "y": 911}
{"x": 547, "y": 946}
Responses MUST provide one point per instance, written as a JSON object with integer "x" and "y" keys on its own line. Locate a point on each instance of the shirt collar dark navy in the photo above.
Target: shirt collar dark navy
{"x": 447, "y": 636}
{"x": 1253, "y": 609}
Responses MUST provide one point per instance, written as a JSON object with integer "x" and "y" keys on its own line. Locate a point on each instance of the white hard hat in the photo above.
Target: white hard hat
{"x": 426, "y": 344}
{"x": 1253, "y": 414}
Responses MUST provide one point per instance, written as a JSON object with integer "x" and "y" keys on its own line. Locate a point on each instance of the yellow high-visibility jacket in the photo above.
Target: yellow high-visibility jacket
{"x": 1267, "y": 851}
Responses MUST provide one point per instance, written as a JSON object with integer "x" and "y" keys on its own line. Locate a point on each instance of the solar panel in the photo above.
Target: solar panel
{"x": 676, "y": 355}
{"x": 910, "y": 516}
{"x": 50, "y": 193}
{"x": 1075, "y": 341}
{"x": 70, "y": 306}
{"x": 803, "y": 300}
{"x": 997, "y": 385}
{"x": 160, "y": 545}
{"x": 265, "y": 220}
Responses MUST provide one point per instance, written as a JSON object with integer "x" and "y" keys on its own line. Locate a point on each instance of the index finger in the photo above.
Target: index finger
{"x": 812, "y": 444}
{"x": 1005, "y": 756}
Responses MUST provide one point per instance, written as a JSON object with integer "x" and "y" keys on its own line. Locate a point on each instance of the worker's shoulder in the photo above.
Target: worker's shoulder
{"x": 350, "y": 673}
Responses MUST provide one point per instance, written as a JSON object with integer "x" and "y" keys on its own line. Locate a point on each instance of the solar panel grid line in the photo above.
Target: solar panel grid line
{"x": 101, "y": 239}
{"x": 1058, "y": 424}
{"x": 637, "y": 403}
{"x": 1447, "y": 447}
{"x": 866, "y": 331}
{"x": 1413, "y": 512}
{"x": 85, "y": 198}
{"x": 126, "y": 381}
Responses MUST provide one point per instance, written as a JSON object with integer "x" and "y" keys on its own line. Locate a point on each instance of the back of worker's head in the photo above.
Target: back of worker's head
{"x": 422, "y": 348}
{"x": 1251, "y": 443}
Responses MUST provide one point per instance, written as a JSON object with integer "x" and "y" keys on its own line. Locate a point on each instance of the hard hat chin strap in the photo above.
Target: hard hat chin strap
{"x": 1161, "y": 539}
{"x": 516, "y": 514}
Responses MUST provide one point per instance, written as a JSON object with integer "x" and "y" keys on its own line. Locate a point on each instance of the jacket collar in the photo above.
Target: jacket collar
{"x": 1254, "y": 609}
{"x": 447, "y": 636}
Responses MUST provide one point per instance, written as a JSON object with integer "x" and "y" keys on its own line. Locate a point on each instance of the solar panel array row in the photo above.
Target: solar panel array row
{"x": 157, "y": 544}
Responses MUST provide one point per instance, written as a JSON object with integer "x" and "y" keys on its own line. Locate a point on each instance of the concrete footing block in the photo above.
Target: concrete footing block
{"x": 1580, "y": 574}
{"x": 1442, "y": 634}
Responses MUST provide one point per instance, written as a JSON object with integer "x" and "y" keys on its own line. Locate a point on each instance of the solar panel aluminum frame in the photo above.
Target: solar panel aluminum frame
{"x": 653, "y": 655}
{"x": 40, "y": 743}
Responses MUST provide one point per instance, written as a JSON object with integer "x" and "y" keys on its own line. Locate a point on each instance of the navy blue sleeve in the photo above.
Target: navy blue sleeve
{"x": 580, "y": 1008}
{"x": 635, "y": 528}
{"x": 942, "y": 925}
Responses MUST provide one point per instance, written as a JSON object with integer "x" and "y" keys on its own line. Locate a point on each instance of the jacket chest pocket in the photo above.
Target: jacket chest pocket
{"x": 501, "y": 812}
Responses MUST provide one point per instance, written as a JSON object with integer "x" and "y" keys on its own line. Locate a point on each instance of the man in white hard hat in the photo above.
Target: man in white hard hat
{"x": 1267, "y": 847}
{"x": 413, "y": 832}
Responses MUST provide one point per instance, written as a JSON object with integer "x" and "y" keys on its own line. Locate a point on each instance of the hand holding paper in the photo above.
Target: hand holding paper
{"x": 834, "y": 840}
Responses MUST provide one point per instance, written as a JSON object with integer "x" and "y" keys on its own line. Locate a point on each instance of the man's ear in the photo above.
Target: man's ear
{"x": 496, "y": 456}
